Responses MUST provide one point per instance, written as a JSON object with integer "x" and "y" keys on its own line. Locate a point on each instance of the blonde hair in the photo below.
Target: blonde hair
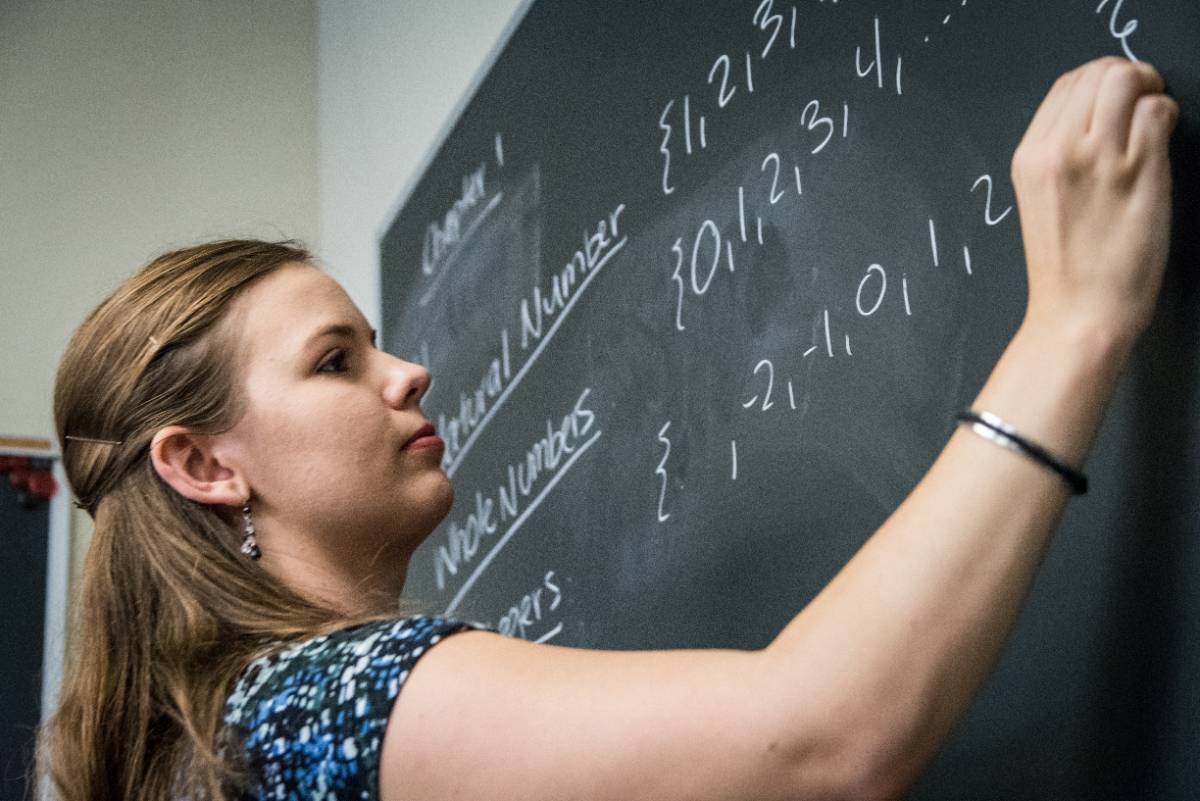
{"x": 168, "y": 611}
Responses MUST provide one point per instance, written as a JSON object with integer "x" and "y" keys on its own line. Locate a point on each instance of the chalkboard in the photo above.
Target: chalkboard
{"x": 24, "y": 536}
{"x": 702, "y": 286}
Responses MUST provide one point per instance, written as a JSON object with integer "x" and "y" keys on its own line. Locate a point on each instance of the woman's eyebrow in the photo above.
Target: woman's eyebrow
{"x": 341, "y": 329}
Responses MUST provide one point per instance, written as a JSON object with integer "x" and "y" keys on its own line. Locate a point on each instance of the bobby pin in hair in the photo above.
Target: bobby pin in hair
{"x": 90, "y": 439}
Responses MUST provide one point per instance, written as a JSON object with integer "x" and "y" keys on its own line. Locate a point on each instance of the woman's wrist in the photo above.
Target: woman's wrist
{"x": 1086, "y": 344}
{"x": 1054, "y": 382}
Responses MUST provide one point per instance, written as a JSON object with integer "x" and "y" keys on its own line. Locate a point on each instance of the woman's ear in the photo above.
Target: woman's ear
{"x": 187, "y": 462}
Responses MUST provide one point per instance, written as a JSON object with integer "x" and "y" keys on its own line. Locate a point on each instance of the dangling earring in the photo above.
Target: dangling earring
{"x": 249, "y": 545}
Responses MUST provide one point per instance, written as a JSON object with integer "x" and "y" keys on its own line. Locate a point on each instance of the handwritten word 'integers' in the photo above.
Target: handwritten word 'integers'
{"x": 1119, "y": 32}
{"x": 533, "y": 475}
{"x": 683, "y": 121}
{"x": 876, "y": 65}
{"x": 528, "y": 613}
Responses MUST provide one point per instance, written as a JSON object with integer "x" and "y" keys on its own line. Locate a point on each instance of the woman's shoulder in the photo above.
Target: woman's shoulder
{"x": 313, "y": 713}
{"x": 380, "y": 649}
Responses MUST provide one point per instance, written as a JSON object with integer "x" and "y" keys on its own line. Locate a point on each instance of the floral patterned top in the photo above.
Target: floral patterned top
{"x": 311, "y": 717}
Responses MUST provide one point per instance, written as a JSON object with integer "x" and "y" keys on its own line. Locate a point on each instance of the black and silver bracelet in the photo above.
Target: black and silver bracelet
{"x": 991, "y": 427}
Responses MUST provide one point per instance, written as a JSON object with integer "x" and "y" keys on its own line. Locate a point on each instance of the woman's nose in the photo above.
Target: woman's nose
{"x": 406, "y": 383}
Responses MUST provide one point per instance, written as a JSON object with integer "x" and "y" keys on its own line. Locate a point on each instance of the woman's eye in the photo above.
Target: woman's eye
{"x": 334, "y": 364}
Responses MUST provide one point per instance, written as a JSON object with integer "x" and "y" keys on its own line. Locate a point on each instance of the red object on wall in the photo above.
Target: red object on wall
{"x": 10, "y": 463}
{"x": 19, "y": 477}
{"x": 31, "y": 478}
{"x": 42, "y": 484}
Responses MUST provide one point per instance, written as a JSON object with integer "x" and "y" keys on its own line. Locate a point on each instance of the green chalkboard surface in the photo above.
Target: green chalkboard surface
{"x": 702, "y": 286}
{"x": 24, "y": 537}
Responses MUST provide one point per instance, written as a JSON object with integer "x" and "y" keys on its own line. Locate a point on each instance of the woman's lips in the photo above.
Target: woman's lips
{"x": 426, "y": 437}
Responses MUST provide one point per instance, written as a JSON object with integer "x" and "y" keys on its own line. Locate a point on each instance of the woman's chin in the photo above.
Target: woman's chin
{"x": 429, "y": 499}
{"x": 439, "y": 498}
{"x": 447, "y": 498}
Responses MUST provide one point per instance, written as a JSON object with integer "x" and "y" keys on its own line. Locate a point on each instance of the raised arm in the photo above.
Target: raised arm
{"x": 857, "y": 692}
{"x": 932, "y": 596}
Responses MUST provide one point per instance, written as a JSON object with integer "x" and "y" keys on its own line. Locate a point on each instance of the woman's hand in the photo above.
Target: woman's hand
{"x": 1093, "y": 187}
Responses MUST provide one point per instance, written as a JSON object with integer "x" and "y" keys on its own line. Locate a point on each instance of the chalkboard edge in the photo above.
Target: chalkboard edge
{"x": 450, "y": 122}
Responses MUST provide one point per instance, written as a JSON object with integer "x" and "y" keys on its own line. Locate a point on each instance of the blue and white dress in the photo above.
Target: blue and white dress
{"x": 311, "y": 717}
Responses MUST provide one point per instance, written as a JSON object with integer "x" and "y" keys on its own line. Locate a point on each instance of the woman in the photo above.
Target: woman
{"x": 260, "y": 475}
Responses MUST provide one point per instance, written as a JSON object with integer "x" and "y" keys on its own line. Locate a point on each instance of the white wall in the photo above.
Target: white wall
{"x": 391, "y": 75}
{"x": 128, "y": 127}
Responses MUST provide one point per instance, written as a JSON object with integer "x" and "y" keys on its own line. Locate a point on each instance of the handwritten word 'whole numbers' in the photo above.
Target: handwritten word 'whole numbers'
{"x": 524, "y": 484}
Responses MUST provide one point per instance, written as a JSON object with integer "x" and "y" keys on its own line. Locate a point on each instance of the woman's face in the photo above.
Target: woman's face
{"x": 325, "y": 438}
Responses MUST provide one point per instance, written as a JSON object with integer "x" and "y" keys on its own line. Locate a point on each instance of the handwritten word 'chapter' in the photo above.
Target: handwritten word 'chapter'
{"x": 440, "y": 239}
{"x": 536, "y": 468}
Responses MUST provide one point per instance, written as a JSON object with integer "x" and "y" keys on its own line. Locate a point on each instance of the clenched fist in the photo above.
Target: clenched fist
{"x": 1093, "y": 187}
